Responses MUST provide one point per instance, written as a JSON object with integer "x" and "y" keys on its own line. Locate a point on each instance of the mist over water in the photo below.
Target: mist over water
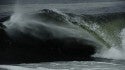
{"x": 115, "y": 52}
{"x": 38, "y": 26}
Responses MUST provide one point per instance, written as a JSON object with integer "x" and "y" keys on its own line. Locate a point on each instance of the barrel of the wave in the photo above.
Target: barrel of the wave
{"x": 3, "y": 35}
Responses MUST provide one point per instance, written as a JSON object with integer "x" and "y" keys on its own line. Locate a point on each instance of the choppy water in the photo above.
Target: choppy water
{"x": 73, "y": 65}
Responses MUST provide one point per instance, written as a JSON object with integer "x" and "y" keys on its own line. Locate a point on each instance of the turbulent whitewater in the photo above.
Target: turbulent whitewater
{"x": 100, "y": 25}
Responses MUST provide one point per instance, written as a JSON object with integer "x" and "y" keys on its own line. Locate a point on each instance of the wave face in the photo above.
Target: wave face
{"x": 103, "y": 31}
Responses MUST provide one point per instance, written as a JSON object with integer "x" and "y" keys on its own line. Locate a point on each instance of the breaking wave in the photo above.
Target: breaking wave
{"x": 106, "y": 30}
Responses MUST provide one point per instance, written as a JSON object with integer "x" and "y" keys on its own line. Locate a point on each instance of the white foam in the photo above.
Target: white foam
{"x": 10, "y": 67}
{"x": 114, "y": 52}
{"x": 72, "y": 65}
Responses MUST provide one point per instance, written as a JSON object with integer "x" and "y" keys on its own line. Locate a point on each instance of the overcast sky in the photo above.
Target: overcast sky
{"x": 51, "y": 1}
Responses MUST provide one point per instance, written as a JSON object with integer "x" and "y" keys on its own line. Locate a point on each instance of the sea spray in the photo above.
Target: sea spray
{"x": 115, "y": 52}
{"x": 42, "y": 27}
